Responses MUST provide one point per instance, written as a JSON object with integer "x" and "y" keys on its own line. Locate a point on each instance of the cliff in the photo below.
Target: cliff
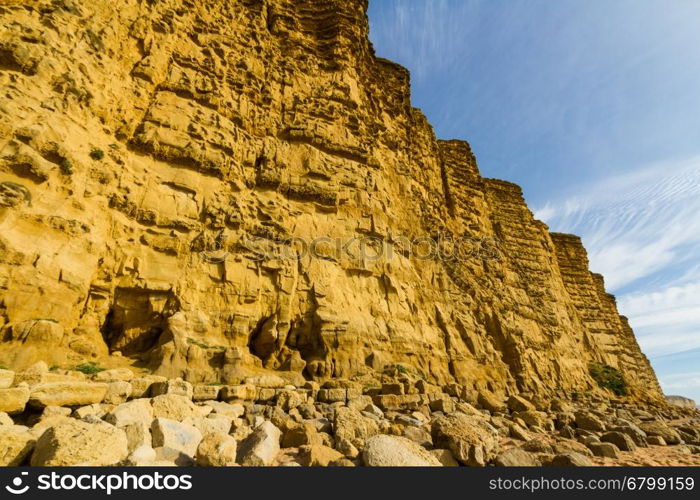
{"x": 211, "y": 189}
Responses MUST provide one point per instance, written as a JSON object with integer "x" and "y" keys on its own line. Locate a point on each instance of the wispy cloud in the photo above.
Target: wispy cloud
{"x": 635, "y": 224}
{"x": 430, "y": 45}
{"x": 681, "y": 381}
{"x": 642, "y": 232}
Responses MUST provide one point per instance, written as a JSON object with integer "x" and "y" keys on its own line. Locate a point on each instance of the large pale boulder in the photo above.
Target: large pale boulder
{"x": 141, "y": 386}
{"x": 14, "y": 400}
{"x": 174, "y": 407}
{"x": 261, "y": 447}
{"x": 393, "y": 451}
{"x": 171, "y": 434}
{"x": 234, "y": 410}
{"x": 74, "y": 442}
{"x": 471, "y": 440}
{"x": 354, "y": 426}
{"x": 67, "y": 394}
{"x": 142, "y": 456}
{"x": 117, "y": 392}
{"x": 135, "y": 418}
{"x": 131, "y": 412}
{"x": 212, "y": 423}
{"x": 217, "y": 449}
{"x": 15, "y": 445}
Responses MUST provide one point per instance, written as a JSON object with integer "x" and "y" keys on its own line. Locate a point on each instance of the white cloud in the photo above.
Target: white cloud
{"x": 681, "y": 381}
{"x": 642, "y": 232}
{"x": 636, "y": 224}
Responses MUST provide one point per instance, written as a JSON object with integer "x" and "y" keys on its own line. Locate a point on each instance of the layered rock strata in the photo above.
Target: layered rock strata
{"x": 213, "y": 189}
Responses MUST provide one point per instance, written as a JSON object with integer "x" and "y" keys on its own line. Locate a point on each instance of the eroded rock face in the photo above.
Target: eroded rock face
{"x": 674, "y": 400}
{"x": 220, "y": 187}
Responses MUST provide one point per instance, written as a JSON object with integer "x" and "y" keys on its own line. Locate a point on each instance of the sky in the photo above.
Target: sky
{"x": 593, "y": 107}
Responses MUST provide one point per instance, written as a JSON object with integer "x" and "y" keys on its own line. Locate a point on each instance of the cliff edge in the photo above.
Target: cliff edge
{"x": 213, "y": 189}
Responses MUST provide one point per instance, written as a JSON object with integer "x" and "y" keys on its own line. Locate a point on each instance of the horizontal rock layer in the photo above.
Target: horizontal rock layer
{"x": 218, "y": 188}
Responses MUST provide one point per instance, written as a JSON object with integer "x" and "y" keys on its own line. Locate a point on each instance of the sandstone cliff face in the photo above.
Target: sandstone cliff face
{"x": 215, "y": 188}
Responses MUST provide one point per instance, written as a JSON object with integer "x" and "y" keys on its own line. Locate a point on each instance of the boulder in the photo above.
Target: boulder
{"x": 114, "y": 375}
{"x": 288, "y": 400}
{"x": 355, "y": 427}
{"x": 14, "y": 400}
{"x": 516, "y": 457}
{"x": 318, "y": 455}
{"x": 656, "y": 441}
{"x": 141, "y": 456}
{"x": 175, "y": 386}
{"x": 234, "y": 410}
{"x": 419, "y": 436}
{"x": 206, "y": 392}
{"x": 518, "y": 403}
{"x": 634, "y": 431}
{"x": 67, "y": 394}
{"x": 15, "y": 445}
{"x": 300, "y": 435}
{"x": 567, "y": 445}
{"x": 660, "y": 429}
{"x": 137, "y": 411}
{"x": 74, "y": 442}
{"x": 608, "y": 450}
{"x": 589, "y": 422}
{"x": 174, "y": 407}
{"x": 619, "y": 439}
{"x": 538, "y": 445}
{"x": 518, "y": 432}
{"x": 174, "y": 435}
{"x": 137, "y": 435}
{"x": 244, "y": 392}
{"x": 394, "y": 451}
{"x": 117, "y": 392}
{"x": 216, "y": 450}
{"x": 169, "y": 457}
{"x": 490, "y": 402}
{"x": 445, "y": 457}
{"x": 212, "y": 423}
{"x": 141, "y": 386}
{"x": 471, "y": 440}
{"x": 571, "y": 459}
{"x": 261, "y": 447}
{"x": 346, "y": 448}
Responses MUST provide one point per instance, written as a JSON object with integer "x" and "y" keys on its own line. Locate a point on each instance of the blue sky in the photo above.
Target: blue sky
{"x": 593, "y": 107}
